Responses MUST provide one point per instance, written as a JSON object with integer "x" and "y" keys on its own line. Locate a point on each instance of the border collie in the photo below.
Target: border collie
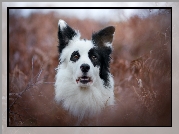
{"x": 84, "y": 84}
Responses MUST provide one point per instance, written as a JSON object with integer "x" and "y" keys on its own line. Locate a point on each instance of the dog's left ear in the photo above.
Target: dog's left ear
{"x": 65, "y": 34}
{"x": 104, "y": 37}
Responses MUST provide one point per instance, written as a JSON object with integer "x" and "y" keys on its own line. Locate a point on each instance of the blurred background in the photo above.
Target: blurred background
{"x": 141, "y": 65}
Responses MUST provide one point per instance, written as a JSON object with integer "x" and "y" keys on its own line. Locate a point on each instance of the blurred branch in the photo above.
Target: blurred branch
{"x": 34, "y": 81}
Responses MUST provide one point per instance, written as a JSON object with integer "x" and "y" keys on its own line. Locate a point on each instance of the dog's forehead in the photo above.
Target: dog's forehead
{"x": 83, "y": 46}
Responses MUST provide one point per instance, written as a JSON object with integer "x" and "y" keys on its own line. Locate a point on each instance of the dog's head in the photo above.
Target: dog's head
{"x": 86, "y": 60}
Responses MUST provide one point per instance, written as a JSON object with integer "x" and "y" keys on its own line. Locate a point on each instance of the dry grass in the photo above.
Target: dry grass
{"x": 141, "y": 67}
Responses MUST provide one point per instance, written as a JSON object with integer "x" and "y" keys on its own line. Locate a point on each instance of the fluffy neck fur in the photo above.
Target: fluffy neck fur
{"x": 82, "y": 102}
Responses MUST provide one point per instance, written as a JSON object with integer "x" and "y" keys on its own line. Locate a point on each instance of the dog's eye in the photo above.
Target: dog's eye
{"x": 76, "y": 56}
{"x": 94, "y": 57}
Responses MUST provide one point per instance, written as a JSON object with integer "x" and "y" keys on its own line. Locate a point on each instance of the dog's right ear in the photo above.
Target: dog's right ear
{"x": 104, "y": 37}
{"x": 65, "y": 34}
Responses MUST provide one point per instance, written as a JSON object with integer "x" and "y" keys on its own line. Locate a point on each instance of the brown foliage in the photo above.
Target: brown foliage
{"x": 141, "y": 65}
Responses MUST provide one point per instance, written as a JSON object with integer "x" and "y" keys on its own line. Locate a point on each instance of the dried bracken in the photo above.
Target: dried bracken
{"x": 141, "y": 65}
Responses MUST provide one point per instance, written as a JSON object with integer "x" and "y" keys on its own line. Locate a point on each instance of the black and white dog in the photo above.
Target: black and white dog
{"x": 83, "y": 83}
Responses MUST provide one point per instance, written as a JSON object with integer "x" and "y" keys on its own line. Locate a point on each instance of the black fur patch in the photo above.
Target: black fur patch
{"x": 75, "y": 56}
{"x": 102, "y": 52}
{"x": 102, "y": 61}
{"x": 96, "y": 61}
{"x": 65, "y": 36}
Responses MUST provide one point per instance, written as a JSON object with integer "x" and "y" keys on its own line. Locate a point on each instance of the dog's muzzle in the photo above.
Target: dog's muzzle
{"x": 84, "y": 80}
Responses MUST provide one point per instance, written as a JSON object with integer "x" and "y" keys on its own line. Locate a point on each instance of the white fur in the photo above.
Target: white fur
{"x": 78, "y": 100}
{"x": 108, "y": 45}
{"x": 62, "y": 24}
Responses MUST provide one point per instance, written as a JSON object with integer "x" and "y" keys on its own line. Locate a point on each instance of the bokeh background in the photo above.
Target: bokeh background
{"x": 141, "y": 65}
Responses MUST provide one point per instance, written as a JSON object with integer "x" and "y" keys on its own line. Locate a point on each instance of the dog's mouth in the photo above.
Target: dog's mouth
{"x": 84, "y": 80}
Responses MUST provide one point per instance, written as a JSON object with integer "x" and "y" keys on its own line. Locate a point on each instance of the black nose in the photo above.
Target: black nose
{"x": 85, "y": 68}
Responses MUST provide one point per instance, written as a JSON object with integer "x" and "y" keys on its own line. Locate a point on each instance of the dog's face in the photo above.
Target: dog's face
{"x": 87, "y": 60}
